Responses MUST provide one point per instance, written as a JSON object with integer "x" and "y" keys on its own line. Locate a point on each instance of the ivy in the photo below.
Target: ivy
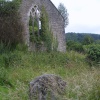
{"x": 43, "y": 36}
{"x": 55, "y": 44}
{"x": 46, "y": 34}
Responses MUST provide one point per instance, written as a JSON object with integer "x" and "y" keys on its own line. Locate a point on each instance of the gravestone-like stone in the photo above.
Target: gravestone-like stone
{"x": 46, "y": 84}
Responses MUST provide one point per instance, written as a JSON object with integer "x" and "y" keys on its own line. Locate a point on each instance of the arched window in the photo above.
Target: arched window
{"x": 34, "y": 23}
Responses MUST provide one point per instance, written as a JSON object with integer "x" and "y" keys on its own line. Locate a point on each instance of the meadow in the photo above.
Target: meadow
{"x": 19, "y": 67}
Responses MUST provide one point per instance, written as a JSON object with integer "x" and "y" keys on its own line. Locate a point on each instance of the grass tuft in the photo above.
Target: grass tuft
{"x": 82, "y": 81}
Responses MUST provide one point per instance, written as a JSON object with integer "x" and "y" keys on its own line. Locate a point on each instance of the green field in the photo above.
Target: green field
{"x": 18, "y": 68}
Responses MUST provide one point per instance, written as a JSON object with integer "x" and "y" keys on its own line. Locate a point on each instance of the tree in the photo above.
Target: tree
{"x": 62, "y": 9}
{"x": 88, "y": 40}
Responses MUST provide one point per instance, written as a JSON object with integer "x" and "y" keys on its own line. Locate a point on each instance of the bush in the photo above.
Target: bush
{"x": 21, "y": 47}
{"x": 9, "y": 55}
{"x": 6, "y": 48}
{"x": 76, "y": 46}
{"x": 11, "y": 59}
{"x": 93, "y": 54}
{"x": 10, "y": 26}
{"x": 3, "y": 77}
{"x": 7, "y": 8}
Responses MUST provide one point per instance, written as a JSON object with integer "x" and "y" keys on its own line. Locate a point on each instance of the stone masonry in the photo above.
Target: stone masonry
{"x": 56, "y": 21}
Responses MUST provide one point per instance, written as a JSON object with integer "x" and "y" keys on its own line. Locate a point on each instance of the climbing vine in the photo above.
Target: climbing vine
{"x": 41, "y": 36}
{"x": 33, "y": 30}
{"x": 46, "y": 34}
{"x": 55, "y": 44}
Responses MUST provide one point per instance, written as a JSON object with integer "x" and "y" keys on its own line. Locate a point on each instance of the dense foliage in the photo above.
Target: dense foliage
{"x": 46, "y": 34}
{"x": 8, "y": 8}
{"x": 93, "y": 54}
{"x": 76, "y": 46}
{"x": 42, "y": 36}
{"x": 10, "y": 28}
{"x": 87, "y": 44}
{"x": 33, "y": 30}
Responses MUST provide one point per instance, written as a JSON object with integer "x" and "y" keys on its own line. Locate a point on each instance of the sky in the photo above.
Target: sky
{"x": 84, "y": 15}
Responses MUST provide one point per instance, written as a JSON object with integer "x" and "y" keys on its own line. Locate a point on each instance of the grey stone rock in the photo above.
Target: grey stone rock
{"x": 43, "y": 84}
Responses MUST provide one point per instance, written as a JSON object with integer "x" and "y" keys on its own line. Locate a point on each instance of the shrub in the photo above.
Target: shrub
{"x": 10, "y": 28}
{"x": 76, "y": 46}
{"x": 93, "y": 54}
{"x": 7, "y": 8}
{"x": 11, "y": 59}
{"x": 3, "y": 77}
{"x": 4, "y": 48}
{"x": 7, "y": 48}
{"x": 21, "y": 47}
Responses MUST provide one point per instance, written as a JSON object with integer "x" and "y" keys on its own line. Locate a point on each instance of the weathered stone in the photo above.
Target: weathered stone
{"x": 56, "y": 21}
{"x": 43, "y": 84}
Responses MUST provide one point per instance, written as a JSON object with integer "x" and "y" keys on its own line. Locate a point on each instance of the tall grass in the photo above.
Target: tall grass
{"x": 82, "y": 81}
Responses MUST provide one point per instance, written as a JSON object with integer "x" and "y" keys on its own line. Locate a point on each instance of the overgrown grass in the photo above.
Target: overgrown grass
{"x": 82, "y": 81}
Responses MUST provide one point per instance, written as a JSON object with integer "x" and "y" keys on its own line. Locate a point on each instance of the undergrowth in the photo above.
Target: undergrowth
{"x": 19, "y": 67}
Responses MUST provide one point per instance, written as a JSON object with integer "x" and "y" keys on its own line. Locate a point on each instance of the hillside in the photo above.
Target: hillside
{"x": 80, "y": 36}
{"x": 18, "y": 68}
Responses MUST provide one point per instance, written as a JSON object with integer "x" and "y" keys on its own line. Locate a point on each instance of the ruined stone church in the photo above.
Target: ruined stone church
{"x": 56, "y": 21}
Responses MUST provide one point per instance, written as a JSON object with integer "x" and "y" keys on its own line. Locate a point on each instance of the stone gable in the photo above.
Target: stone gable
{"x": 56, "y": 21}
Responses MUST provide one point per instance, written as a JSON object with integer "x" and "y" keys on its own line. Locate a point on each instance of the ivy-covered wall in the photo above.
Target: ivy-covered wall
{"x": 17, "y": 26}
{"x": 40, "y": 36}
{"x": 55, "y": 21}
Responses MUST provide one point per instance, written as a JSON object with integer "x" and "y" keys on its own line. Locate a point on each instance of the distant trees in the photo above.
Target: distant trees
{"x": 78, "y": 41}
{"x": 62, "y": 9}
{"x": 80, "y": 37}
{"x": 88, "y": 40}
{"x": 88, "y": 44}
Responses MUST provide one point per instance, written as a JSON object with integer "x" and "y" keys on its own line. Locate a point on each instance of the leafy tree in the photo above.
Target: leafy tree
{"x": 62, "y": 9}
{"x": 88, "y": 40}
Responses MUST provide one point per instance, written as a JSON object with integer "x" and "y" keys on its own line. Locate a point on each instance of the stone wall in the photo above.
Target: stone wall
{"x": 56, "y": 21}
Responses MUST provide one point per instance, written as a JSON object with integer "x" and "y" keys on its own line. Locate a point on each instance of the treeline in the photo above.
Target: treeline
{"x": 79, "y": 37}
{"x": 88, "y": 44}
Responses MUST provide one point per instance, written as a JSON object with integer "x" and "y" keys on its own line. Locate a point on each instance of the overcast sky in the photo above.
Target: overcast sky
{"x": 84, "y": 15}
